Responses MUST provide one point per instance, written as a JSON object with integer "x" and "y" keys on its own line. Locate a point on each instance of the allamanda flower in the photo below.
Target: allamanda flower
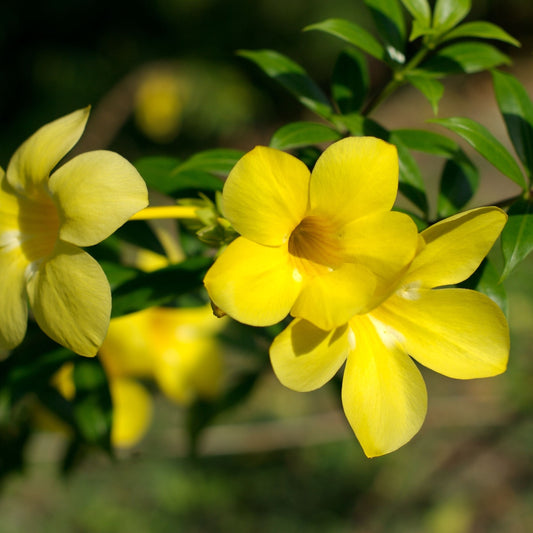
{"x": 45, "y": 216}
{"x": 322, "y": 245}
{"x": 457, "y": 332}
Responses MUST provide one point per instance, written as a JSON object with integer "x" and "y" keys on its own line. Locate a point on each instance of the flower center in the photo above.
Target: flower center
{"x": 39, "y": 227}
{"x": 316, "y": 246}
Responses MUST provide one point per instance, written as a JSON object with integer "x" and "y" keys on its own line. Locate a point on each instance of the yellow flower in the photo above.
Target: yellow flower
{"x": 322, "y": 245}
{"x": 46, "y": 214}
{"x": 457, "y": 332}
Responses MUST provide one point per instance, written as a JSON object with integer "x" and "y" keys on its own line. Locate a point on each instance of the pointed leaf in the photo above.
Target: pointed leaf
{"x": 420, "y": 10}
{"x": 351, "y": 33}
{"x": 517, "y": 111}
{"x": 390, "y": 23}
{"x": 429, "y": 87}
{"x": 218, "y": 161}
{"x": 482, "y": 30}
{"x": 291, "y": 76}
{"x": 298, "y": 134}
{"x": 449, "y": 12}
{"x": 428, "y": 142}
{"x": 486, "y": 144}
{"x": 350, "y": 81}
{"x": 464, "y": 57}
{"x": 517, "y": 236}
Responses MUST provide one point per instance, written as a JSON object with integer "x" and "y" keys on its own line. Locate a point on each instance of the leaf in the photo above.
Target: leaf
{"x": 293, "y": 77}
{"x": 163, "y": 175}
{"x": 298, "y": 134}
{"x": 464, "y": 57}
{"x": 517, "y": 236}
{"x": 428, "y": 142}
{"x": 159, "y": 287}
{"x": 420, "y": 11}
{"x": 517, "y": 111}
{"x": 430, "y": 88}
{"x": 486, "y": 144}
{"x": 448, "y": 13}
{"x": 482, "y": 30}
{"x": 351, "y": 33}
{"x": 390, "y": 23}
{"x": 350, "y": 81}
{"x": 219, "y": 161}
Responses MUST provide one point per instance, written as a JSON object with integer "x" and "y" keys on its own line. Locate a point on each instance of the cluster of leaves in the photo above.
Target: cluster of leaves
{"x": 419, "y": 47}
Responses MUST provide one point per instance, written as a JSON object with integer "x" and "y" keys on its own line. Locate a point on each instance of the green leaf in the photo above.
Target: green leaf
{"x": 351, "y": 33}
{"x": 163, "y": 175}
{"x": 420, "y": 10}
{"x": 517, "y": 236}
{"x": 92, "y": 404}
{"x": 486, "y": 144}
{"x": 390, "y": 23}
{"x": 517, "y": 111}
{"x": 350, "y": 81}
{"x": 160, "y": 287}
{"x": 293, "y": 77}
{"x": 428, "y": 142}
{"x": 448, "y": 13}
{"x": 429, "y": 87}
{"x": 298, "y": 134}
{"x": 482, "y": 30}
{"x": 464, "y": 57}
{"x": 219, "y": 161}
{"x": 458, "y": 183}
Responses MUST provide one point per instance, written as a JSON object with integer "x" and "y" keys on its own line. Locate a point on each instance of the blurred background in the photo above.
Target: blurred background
{"x": 163, "y": 78}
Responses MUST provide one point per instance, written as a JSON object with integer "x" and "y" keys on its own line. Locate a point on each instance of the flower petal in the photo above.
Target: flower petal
{"x": 383, "y": 393}
{"x": 305, "y": 357}
{"x": 71, "y": 300}
{"x": 96, "y": 193}
{"x": 13, "y": 305}
{"x": 32, "y": 163}
{"x": 254, "y": 284}
{"x": 330, "y": 300}
{"x": 353, "y": 178}
{"x": 455, "y": 247}
{"x": 266, "y": 195}
{"x": 132, "y": 412}
{"x": 460, "y": 333}
{"x": 385, "y": 243}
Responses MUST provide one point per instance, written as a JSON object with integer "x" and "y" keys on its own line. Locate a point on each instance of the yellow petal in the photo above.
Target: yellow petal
{"x": 132, "y": 412}
{"x": 305, "y": 357}
{"x": 383, "y": 393}
{"x": 32, "y": 163}
{"x": 353, "y": 178}
{"x": 266, "y": 195}
{"x": 460, "y": 333}
{"x": 455, "y": 247}
{"x": 384, "y": 242}
{"x": 330, "y": 300}
{"x": 71, "y": 300}
{"x": 13, "y": 305}
{"x": 96, "y": 193}
{"x": 253, "y": 284}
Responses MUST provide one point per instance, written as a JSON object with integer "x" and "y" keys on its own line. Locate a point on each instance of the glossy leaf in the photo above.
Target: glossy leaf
{"x": 350, "y": 81}
{"x": 390, "y": 23}
{"x": 218, "y": 161}
{"x": 427, "y": 142}
{"x": 464, "y": 57}
{"x": 159, "y": 287}
{"x": 517, "y": 236}
{"x": 420, "y": 10}
{"x": 486, "y": 144}
{"x": 448, "y": 13}
{"x": 298, "y": 134}
{"x": 481, "y": 30}
{"x": 429, "y": 87}
{"x": 517, "y": 111}
{"x": 291, "y": 76}
{"x": 353, "y": 34}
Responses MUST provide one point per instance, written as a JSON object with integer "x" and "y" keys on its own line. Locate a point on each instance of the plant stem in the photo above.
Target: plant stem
{"x": 167, "y": 211}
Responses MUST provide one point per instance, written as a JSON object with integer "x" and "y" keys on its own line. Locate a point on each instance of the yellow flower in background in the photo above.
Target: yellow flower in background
{"x": 460, "y": 333}
{"x": 46, "y": 215}
{"x": 322, "y": 245}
